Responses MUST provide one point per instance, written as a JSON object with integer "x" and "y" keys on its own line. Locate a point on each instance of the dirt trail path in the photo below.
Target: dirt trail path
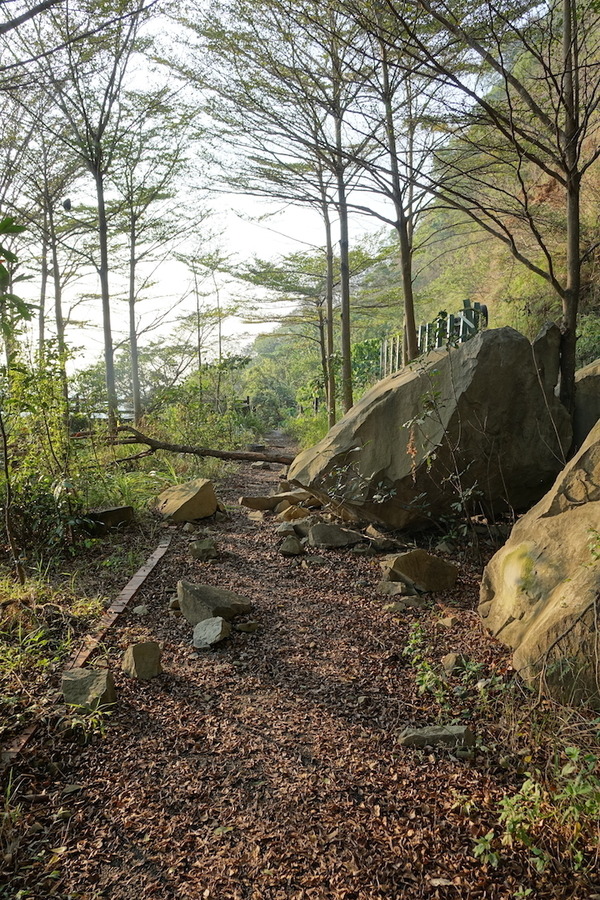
{"x": 269, "y": 768}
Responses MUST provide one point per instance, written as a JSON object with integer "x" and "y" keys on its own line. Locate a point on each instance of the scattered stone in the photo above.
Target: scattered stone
{"x": 310, "y": 562}
{"x": 397, "y": 607}
{"x": 141, "y": 610}
{"x": 187, "y": 502}
{"x": 291, "y": 514}
{"x": 396, "y": 589}
{"x": 284, "y": 484}
{"x": 291, "y": 546}
{"x": 221, "y": 516}
{"x": 203, "y": 601}
{"x": 445, "y": 547}
{"x": 415, "y": 602}
{"x": 363, "y": 550}
{"x": 204, "y": 549}
{"x": 209, "y": 632}
{"x": 142, "y": 661}
{"x": 285, "y": 529}
{"x": 435, "y": 735}
{"x": 426, "y": 572}
{"x": 303, "y": 526}
{"x": 189, "y": 528}
{"x": 174, "y": 603}
{"x": 454, "y": 663}
{"x": 101, "y": 521}
{"x": 380, "y": 542}
{"x": 256, "y": 515}
{"x": 89, "y": 688}
{"x": 333, "y": 537}
{"x": 264, "y": 466}
{"x": 247, "y": 627}
{"x": 260, "y": 504}
{"x": 281, "y": 507}
{"x": 449, "y": 621}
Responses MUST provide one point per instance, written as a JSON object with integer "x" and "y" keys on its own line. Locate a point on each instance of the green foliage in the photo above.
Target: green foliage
{"x": 554, "y": 816}
{"x": 308, "y": 428}
{"x": 588, "y": 341}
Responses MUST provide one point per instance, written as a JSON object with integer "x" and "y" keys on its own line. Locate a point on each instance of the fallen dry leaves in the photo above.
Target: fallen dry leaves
{"x": 270, "y": 767}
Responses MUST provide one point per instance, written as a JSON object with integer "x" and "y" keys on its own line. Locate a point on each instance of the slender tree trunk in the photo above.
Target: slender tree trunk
{"x": 111, "y": 391}
{"x": 331, "y": 399}
{"x": 8, "y": 521}
{"x": 43, "y": 288}
{"x": 60, "y": 322}
{"x": 570, "y": 301}
{"x": 322, "y": 329}
{"x": 402, "y": 219}
{"x": 198, "y": 341}
{"x": 342, "y": 205}
{"x": 133, "y": 344}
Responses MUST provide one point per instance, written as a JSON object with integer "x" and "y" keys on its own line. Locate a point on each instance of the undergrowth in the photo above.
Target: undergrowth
{"x": 550, "y": 755}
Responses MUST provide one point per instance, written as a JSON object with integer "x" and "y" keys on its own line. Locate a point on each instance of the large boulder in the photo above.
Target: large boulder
{"x": 187, "y": 502}
{"x": 587, "y": 401}
{"x": 540, "y": 593}
{"x": 476, "y": 424}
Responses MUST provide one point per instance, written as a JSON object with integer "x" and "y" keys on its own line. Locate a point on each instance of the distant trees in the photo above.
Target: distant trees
{"x": 520, "y": 96}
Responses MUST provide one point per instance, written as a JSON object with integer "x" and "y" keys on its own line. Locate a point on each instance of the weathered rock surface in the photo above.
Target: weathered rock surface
{"x": 434, "y": 735}
{"x": 89, "y": 688}
{"x": 142, "y": 661}
{"x": 204, "y": 549}
{"x": 210, "y": 632}
{"x": 291, "y": 514}
{"x": 187, "y": 502}
{"x": 472, "y": 413}
{"x": 203, "y": 601}
{"x": 396, "y": 589}
{"x": 291, "y": 498}
{"x": 332, "y": 537}
{"x": 454, "y": 663}
{"x": 101, "y": 521}
{"x": 587, "y": 401}
{"x": 291, "y": 546}
{"x": 540, "y": 593}
{"x": 421, "y": 569}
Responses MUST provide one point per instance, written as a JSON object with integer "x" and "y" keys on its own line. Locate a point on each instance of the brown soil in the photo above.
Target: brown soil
{"x": 270, "y": 768}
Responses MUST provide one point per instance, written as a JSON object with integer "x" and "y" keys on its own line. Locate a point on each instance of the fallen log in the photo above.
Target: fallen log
{"x": 138, "y": 438}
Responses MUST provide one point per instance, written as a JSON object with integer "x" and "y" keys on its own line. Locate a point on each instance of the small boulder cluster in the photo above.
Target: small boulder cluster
{"x": 211, "y": 611}
{"x": 92, "y": 689}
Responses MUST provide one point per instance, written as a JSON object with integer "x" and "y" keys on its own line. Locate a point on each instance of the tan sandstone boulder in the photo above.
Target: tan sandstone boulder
{"x": 540, "y": 593}
{"x": 187, "y": 502}
{"x": 587, "y": 401}
{"x": 477, "y": 423}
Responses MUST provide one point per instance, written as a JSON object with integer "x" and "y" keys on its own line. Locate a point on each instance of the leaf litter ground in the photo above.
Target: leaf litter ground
{"x": 270, "y": 768}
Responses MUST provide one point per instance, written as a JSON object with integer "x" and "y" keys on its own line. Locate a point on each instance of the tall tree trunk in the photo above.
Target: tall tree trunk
{"x": 329, "y": 279}
{"x": 60, "y": 322}
{"x": 570, "y": 301}
{"x": 322, "y": 330}
{"x": 402, "y": 219}
{"x": 133, "y": 345}
{"x": 43, "y": 288}
{"x": 109, "y": 362}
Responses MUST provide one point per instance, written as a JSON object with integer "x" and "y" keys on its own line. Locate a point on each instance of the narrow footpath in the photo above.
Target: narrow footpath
{"x": 270, "y": 768}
